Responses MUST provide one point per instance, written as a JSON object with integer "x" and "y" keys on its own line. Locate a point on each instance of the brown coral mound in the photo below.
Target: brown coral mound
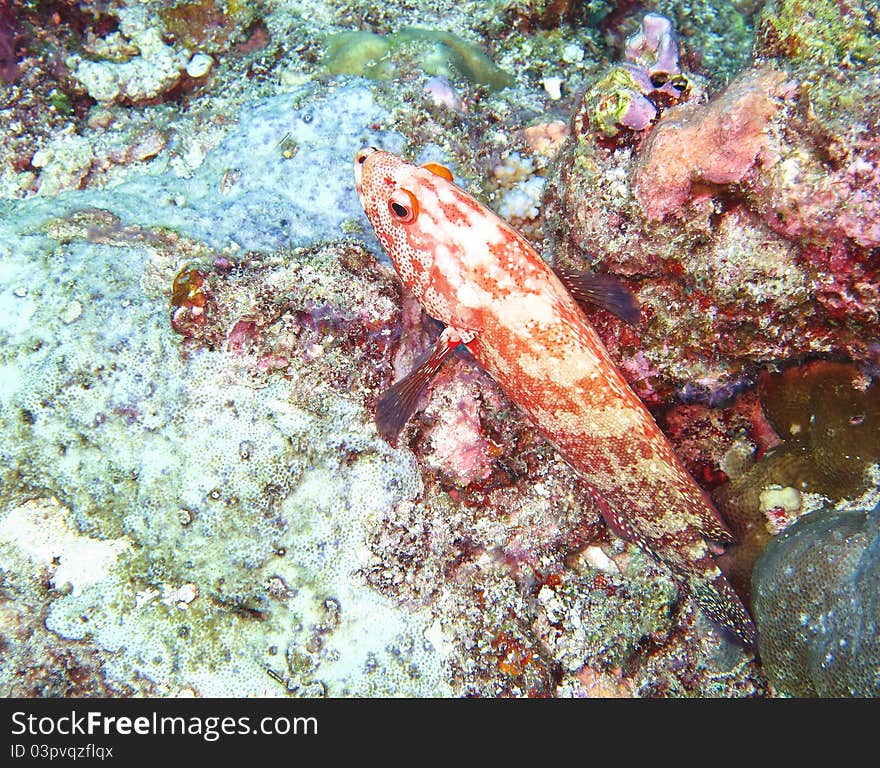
{"x": 828, "y": 416}
{"x": 816, "y": 605}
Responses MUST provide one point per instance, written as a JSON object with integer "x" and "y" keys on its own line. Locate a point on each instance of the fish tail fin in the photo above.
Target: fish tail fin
{"x": 717, "y": 598}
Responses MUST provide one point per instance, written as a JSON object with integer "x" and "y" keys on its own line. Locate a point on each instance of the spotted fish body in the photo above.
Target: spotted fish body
{"x": 487, "y": 284}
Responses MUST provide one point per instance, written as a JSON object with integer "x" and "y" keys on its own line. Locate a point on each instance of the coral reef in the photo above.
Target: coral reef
{"x": 261, "y": 209}
{"x": 827, "y": 190}
{"x": 827, "y": 437}
{"x": 202, "y": 558}
{"x": 122, "y": 76}
{"x": 191, "y": 410}
{"x": 207, "y": 25}
{"x": 717, "y": 35}
{"x": 815, "y": 601}
{"x": 830, "y": 411}
{"x": 751, "y": 212}
{"x": 530, "y": 15}
{"x": 198, "y": 324}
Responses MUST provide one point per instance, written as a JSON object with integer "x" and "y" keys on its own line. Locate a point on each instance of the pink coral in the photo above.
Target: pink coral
{"x": 639, "y": 114}
{"x": 695, "y": 149}
{"x": 461, "y": 451}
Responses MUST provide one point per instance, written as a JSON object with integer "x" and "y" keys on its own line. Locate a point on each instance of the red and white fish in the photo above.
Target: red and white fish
{"x": 521, "y": 321}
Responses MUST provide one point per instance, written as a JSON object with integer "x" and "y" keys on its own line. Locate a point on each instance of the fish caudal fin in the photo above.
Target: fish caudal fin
{"x": 721, "y": 604}
{"x": 706, "y": 582}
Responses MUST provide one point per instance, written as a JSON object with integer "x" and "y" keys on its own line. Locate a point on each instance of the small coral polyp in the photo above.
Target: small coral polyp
{"x": 188, "y": 289}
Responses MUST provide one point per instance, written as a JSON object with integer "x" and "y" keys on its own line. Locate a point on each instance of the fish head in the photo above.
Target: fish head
{"x": 443, "y": 243}
{"x": 389, "y": 189}
{"x": 405, "y": 204}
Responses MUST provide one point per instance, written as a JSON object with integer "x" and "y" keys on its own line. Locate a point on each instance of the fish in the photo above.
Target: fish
{"x": 523, "y": 322}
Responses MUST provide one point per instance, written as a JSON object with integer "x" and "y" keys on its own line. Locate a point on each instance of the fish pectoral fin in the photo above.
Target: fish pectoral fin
{"x": 399, "y": 402}
{"x": 604, "y": 291}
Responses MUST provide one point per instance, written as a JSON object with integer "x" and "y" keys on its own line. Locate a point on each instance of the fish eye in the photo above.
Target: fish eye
{"x": 403, "y": 206}
{"x": 361, "y": 157}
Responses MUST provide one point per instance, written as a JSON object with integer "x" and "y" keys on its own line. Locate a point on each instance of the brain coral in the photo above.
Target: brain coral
{"x": 816, "y": 605}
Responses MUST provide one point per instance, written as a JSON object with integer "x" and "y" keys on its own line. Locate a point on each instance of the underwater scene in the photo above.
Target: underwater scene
{"x": 445, "y": 348}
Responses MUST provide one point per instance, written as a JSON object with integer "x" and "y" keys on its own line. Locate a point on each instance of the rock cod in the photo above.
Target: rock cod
{"x": 521, "y": 321}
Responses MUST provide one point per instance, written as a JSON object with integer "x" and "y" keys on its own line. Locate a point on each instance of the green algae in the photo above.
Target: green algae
{"x": 438, "y": 53}
{"x": 358, "y": 53}
{"x": 611, "y": 97}
{"x": 61, "y": 102}
{"x": 823, "y": 32}
{"x": 464, "y": 58}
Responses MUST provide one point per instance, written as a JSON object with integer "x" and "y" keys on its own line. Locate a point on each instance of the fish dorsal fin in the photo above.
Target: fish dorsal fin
{"x": 438, "y": 170}
{"x": 400, "y": 401}
{"x": 601, "y": 290}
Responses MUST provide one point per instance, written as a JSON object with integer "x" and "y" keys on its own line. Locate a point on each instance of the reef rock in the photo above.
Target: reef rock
{"x": 699, "y": 149}
{"x": 747, "y": 226}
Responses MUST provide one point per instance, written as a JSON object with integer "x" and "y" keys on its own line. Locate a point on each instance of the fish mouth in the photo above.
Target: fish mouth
{"x": 359, "y": 159}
